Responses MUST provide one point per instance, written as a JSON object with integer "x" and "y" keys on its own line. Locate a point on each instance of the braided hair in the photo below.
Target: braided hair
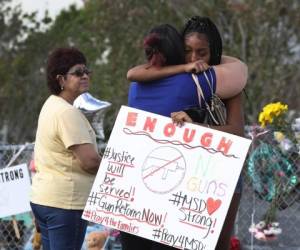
{"x": 203, "y": 25}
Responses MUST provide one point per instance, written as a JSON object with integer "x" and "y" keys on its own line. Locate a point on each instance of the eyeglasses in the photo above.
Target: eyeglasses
{"x": 79, "y": 72}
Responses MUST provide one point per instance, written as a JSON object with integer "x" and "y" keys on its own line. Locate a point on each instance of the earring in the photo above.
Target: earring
{"x": 62, "y": 87}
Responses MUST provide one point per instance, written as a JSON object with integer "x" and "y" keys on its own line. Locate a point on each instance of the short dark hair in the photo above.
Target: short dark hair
{"x": 59, "y": 62}
{"x": 164, "y": 40}
{"x": 203, "y": 25}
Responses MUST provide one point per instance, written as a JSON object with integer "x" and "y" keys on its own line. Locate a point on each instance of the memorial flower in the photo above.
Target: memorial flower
{"x": 272, "y": 167}
{"x": 273, "y": 115}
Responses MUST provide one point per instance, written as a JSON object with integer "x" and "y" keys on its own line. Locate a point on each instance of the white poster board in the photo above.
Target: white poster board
{"x": 14, "y": 190}
{"x": 166, "y": 183}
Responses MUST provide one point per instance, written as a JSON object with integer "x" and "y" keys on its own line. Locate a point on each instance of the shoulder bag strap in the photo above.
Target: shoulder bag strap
{"x": 209, "y": 84}
{"x": 211, "y": 90}
{"x": 217, "y": 105}
{"x": 200, "y": 94}
{"x": 199, "y": 89}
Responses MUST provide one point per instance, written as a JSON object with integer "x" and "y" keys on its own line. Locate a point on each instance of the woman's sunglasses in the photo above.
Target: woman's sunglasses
{"x": 79, "y": 72}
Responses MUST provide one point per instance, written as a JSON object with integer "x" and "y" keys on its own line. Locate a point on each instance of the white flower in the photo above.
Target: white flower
{"x": 275, "y": 224}
{"x": 253, "y": 229}
{"x": 260, "y": 225}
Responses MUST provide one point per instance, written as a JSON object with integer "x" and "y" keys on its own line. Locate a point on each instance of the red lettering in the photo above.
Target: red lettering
{"x": 224, "y": 145}
{"x": 189, "y": 137}
{"x": 150, "y": 124}
{"x": 131, "y": 119}
{"x": 169, "y": 129}
{"x": 206, "y": 139}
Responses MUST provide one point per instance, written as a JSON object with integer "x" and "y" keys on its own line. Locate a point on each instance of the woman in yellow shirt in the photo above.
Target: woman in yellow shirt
{"x": 66, "y": 154}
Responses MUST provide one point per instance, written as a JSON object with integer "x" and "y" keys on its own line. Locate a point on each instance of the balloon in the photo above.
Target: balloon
{"x": 94, "y": 110}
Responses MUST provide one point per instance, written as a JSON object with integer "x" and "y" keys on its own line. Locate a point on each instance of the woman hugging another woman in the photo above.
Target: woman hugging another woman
{"x": 164, "y": 86}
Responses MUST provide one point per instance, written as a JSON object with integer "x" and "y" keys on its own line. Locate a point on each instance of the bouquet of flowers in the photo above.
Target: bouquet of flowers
{"x": 274, "y": 117}
{"x": 272, "y": 167}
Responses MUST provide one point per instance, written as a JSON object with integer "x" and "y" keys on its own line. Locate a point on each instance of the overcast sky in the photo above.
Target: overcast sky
{"x": 54, "y": 6}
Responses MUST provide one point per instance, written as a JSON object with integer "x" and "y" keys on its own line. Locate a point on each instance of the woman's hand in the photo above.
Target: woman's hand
{"x": 179, "y": 118}
{"x": 196, "y": 67}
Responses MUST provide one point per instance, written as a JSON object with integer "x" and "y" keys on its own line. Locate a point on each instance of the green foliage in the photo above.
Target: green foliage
{"x": 264, "y": 34}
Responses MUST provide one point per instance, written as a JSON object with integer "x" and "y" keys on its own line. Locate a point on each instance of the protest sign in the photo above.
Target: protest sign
{"x": 166, "y": 183}
{"x": 14, "y": 189}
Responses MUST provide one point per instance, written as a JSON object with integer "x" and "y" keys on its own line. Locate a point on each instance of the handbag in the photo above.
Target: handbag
{"x": 196, "y": 114}
{"x": 213, "y": 113}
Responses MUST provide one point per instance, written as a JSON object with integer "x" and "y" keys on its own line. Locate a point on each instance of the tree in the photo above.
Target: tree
{"x": 264, "y": 34}
{"x": 19, "y": 70}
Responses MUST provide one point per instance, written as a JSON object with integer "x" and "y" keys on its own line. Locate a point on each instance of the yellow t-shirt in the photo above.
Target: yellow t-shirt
{"x": 60, "y": 181}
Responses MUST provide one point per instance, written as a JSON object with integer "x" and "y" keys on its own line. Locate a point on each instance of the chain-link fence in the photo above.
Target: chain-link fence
{"x": 15, "y": 230}
{"x": 271, "y": 193}
{"x": 258, "y": 194}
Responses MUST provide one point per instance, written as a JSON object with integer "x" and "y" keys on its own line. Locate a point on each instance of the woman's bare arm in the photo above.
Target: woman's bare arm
{"x": 235, "y": 116}
{"x": 146, "y": 72}
{"x": 88, "y": 157}
{"x": 231, "y": 74}
{"x": 231, "y": 77}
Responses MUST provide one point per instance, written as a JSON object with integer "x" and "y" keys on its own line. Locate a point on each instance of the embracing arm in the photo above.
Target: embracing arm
{"x": 231, "y": 77}
{"x": 231, "y": 74}
{"x": 146, "y": 72}
{"x": 88, "y": 157}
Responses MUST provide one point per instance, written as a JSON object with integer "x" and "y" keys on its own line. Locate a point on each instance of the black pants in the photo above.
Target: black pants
{"x": 132, "y": 242}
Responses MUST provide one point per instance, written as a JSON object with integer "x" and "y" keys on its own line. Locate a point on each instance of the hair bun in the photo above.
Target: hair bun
{"x": 152, "y": 47}
{"x": 152, "y": 40}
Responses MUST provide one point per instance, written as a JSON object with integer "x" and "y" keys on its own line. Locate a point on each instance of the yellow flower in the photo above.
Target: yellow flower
{"x": 279, "y": 136}
{"x": 271, "y": 112}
